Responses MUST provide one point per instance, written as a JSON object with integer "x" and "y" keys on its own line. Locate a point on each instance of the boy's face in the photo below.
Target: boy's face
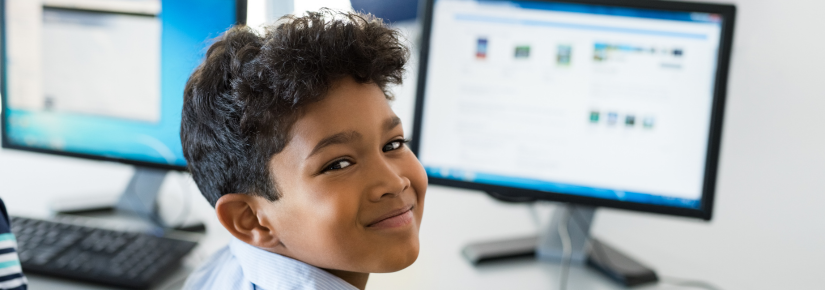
{"x": 352, "y": 191}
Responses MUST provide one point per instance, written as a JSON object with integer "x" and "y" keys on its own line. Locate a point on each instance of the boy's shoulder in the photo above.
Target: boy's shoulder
{"x": 242, "y": 266}
{"x": 220, "y": 271}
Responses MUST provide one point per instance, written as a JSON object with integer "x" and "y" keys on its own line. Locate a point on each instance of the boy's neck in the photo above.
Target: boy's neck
{"x": 359, "y": 280}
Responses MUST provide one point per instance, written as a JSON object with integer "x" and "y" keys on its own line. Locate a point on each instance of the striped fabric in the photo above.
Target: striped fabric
{"x": 11, "y": 274}
{"x": 244, "y": 267}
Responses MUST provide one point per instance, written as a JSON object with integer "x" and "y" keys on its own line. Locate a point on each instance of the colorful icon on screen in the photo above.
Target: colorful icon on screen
{"x": 678, "y": 52}
{"x": 481, "y": 48}
{"x": 594, "y": 116}
{"x": 630, "y": 120}
{"x": 522, "y": 51}
{"x": 648, "y": 122}
{"x": 563, "y": 54}
{"x": 612, "y": 118}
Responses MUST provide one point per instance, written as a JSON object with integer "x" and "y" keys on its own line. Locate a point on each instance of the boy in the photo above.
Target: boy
{"x": 291, "y": 138}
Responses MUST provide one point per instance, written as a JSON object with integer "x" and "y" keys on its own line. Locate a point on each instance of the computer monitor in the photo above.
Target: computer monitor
{"x": 104, "y": 80}
{"x": 594, "y": 102}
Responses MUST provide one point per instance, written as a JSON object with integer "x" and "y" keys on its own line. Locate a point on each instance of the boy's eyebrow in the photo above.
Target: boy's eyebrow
{"x": 339, "y": 138}
{"x": 390, "y": 123}
{"x": 346, "y": 137}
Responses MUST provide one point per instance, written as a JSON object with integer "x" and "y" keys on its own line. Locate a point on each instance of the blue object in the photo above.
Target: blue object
{"x": 558, "y": 187}
{"x": 389, "y": 10}
{"x": 187, "y": 27}
{"x": 614, "y": 11}
{"x": 502, "y": 20}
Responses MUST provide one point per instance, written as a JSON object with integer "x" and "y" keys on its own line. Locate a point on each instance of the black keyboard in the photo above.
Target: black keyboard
{"x": 123, "y": 259}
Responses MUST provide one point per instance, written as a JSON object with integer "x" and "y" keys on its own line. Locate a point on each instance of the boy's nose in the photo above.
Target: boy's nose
{"x": 388, "y": 181}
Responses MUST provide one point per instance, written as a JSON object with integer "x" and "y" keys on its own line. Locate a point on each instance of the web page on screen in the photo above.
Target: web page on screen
{"x": 577, "y": 99}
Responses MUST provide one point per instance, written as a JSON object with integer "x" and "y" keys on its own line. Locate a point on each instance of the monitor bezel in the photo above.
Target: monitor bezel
{"x": 705, "y": 210}
{"x": 240, "y": 18}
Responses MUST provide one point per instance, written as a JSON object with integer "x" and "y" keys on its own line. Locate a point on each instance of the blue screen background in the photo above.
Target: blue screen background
{"x": 188, "y": 27}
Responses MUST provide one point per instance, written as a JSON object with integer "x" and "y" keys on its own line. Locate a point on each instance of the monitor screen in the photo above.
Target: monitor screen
{"x": 104, "y": 78}
{"x": 574, "y": 99}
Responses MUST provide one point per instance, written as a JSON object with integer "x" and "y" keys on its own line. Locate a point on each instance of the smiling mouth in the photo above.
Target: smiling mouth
{"x": 394, "y": 219}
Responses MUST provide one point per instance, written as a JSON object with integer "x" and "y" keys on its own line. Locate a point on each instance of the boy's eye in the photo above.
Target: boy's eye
{"x": 395, "y": 144}
{"x": 340, "y": 164}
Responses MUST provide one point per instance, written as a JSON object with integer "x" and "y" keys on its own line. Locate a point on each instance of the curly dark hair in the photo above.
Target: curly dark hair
{"x": 241, "y": 102}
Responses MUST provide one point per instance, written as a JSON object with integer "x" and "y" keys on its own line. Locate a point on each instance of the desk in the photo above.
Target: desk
{"x": 452, "y": 218}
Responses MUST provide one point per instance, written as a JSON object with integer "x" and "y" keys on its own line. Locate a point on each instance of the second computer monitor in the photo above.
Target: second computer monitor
{"x": 588, "y": 102}
{"x": 104, "y": 79}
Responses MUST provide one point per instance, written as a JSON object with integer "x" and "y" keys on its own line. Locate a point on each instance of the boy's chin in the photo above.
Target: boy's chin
{"x": 394, "y": 254}
{"x": 397, "y": 261}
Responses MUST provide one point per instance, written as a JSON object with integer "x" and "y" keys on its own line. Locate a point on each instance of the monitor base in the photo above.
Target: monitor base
{"x": 139, "y": 199}
{"x": 547, "y": 246}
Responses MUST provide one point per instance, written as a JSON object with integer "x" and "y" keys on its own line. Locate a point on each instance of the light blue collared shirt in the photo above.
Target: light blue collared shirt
{"x": 245, "y": 267}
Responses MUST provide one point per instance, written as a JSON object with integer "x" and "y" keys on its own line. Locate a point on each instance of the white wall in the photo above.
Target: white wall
{"x": 264, "y": 11}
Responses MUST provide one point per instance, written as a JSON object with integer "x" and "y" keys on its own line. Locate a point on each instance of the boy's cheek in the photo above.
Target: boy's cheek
{"x": 419, "y": 181}
{"x": 418, "y": 178}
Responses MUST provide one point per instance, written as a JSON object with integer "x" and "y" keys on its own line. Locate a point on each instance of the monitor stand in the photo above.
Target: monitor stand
{"x": 141, "y": 194}
{"x": 549, "y": 246}
{"x": 139, "y": 199}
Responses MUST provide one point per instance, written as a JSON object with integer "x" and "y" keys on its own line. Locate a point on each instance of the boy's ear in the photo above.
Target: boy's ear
{"x": 244, "y": 217}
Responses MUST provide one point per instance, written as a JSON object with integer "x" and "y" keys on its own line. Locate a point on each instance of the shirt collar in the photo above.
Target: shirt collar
{"x": 273, "y": 271}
